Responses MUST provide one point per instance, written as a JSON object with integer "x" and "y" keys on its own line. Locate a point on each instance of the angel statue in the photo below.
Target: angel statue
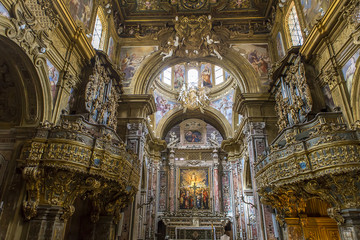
{"x": 173, "y": 139}
{"x": 213, "y": 139}
{"x": 172, "y": 48}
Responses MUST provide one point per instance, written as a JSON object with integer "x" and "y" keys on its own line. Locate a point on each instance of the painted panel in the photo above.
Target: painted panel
{"x": 280, "y": 45}
{"x": 206, "y": 75}
{"x": 179, "y": 76}
{"x": 349, "y": 70}
{"x": 81, "y": 10}
{"x": 224, "y": 105}
{"x": 193, "y": 136}
{"x": 163, "y": 106}
{"x": 111, "y": 49}
{"x": 131, "y": 58}
{"x": 3, "y": 11}
{"x": 257, "y": 55}
{"x": 53, "y": 78}
{"x": 194, "y": 189}
{"x": 314, "y": 10}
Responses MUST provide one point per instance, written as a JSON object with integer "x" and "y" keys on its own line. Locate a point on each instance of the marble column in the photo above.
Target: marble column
{"x": 47, "y": 224}
{"x": 135, "y": 141}
{"x": 350, "y": 228}
{"x": 256, "y": 143}
{"x": 216, "y": 195}
{"x": 171, "y": 181}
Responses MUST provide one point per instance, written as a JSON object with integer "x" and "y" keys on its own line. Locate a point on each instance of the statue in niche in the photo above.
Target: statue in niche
{"x": 173, "y": 139}
{"x": 213, "y": 139}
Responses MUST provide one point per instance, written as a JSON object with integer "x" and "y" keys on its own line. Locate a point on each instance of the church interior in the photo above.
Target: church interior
{"x": 179, "y": 119}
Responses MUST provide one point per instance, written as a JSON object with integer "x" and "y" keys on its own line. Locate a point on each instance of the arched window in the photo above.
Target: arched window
{"x": 167, "y": 76}
{"x": 193, "y": 78}
{"x": 294, "y": 27}
{"x": 219, "y": 75}
{"x": 99, "y": 32}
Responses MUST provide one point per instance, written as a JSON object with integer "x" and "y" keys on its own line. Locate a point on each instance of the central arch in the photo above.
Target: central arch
{"x": 211, "y": 116}
{"x": 242, "y": 71}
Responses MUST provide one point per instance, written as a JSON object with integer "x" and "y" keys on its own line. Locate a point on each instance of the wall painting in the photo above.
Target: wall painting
{"x": 314, "y": 10}
{"x": 280, "y": 45}
{"x": 257, "y": 55}
{"x": 192, "y": 136}
{"x": 349, "y": 70}
{"x": 194, "y": 189}
{"x": 131, "y": 58}
{"x": 81, "y": 10}
{"x": 206, "y": 75}
{"x": 224, "y": 105}
{"x": 179, "y": 76}
{"x": 111, "y": 49}
{"x": 163, "y": 106}
{"x": 53, "y": 78}
{"x": 3, "y": 11}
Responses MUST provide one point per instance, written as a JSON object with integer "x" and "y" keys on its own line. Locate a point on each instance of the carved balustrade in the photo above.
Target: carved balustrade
{"x": 78, "y": 158}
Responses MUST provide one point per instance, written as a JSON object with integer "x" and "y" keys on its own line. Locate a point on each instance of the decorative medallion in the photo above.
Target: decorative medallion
{"x": 193, "y": 4}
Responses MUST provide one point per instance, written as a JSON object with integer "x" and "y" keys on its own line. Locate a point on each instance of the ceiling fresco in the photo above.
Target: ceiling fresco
{"x": 139, "y": 15}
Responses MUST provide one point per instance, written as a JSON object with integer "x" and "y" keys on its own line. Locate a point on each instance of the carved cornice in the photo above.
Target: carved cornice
{"x": 138, "y": 105}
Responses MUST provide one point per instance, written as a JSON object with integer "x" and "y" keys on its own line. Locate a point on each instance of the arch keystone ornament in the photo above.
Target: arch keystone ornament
{"x": 192, "y": 37}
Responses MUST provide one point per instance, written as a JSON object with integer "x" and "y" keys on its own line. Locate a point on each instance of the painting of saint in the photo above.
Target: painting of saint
{"x": 194, "y": 190}
{"x": 81, "y": 10}
{"x": 206, "y": 75}
{"x": 314, "y": 10}
{"x": 193, "y": 136}
{"x": 257, "y": 55}
{"x": 53, "y": 78}
{"x": 111, "y": 50}
{"x": 280, "y": 45}
{"x": 131, "y": 58}
{"x": 3, "y": 11}
{"x": 349, "y": 70}
{"x": 224, "y": 105}
{"x": 179, "y": 76}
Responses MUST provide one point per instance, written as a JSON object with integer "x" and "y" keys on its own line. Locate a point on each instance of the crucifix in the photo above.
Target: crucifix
{"x": 194, "y": 187}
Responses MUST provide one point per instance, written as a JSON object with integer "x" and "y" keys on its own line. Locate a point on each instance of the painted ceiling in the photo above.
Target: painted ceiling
{"x": 164, "y": 11}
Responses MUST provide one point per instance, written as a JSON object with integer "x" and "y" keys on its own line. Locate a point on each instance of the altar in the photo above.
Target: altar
{"x": 195, "y": 233}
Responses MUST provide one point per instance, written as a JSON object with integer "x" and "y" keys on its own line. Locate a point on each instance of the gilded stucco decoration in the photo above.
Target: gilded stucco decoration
{"x": 193, "y": 37}
{"x": 193, "y": 98}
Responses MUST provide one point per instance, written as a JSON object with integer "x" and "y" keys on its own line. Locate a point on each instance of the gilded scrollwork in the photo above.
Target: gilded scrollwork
{"x": 192, "y": 37}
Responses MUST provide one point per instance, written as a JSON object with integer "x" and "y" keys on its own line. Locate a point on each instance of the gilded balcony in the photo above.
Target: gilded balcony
{"x": 74, "y": 159}
{"x": 303, "y": 152}
{"x": 318, "y": 159}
